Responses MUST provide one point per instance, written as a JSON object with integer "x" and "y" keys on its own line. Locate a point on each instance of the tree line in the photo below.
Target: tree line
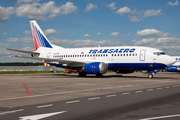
{"x": 21, "y": 64}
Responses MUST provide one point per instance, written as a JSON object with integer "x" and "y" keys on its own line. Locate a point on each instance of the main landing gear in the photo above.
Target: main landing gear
{"x": 82, "y": 74}
{"x": 150, "y": 76}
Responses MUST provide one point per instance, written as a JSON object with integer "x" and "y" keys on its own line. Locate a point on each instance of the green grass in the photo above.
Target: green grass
{"x": 27, "y": 72}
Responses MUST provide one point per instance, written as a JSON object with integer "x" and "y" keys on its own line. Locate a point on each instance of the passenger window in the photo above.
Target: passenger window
{"x": 126, "y": 54}
{"x": 112, "y": 55}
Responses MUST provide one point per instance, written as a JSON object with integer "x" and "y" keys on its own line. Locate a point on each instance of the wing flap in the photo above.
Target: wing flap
{"x": 23, "y": 51}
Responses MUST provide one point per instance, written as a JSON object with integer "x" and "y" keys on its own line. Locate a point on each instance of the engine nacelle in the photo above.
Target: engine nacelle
{"x": 95, "y": 68}
{"x": 173, "y": 68}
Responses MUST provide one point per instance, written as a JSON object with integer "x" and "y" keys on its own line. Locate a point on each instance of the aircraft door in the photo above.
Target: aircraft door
{"x": 142, "y": 55}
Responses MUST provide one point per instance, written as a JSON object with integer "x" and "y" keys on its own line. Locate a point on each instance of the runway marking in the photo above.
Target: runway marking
{"x": 159, "y": 88}
{"x": 138, "y": 85}
{"x": 95, "y": 98}
{"x": 167, "y": 87}
{"x": 40, "y": 116}
{"x": 176, "y": 86}
{"x": 111, "y": 95}
{"x": 27, "y": 89}
{"x": 68, "y": 92}
{"x": 150, "y": 90}
{"x": 126, "y": 93}
{"x": 138, "y": 91}
{"x": 128, "y": 85}
{"x": 119, "y": 86}
{"x": 108, "y": 88}
{"x": 73, "y": 101}
{"x": 45, "y": 106}
{"x": 161, "y": 117}
{"x": 12, "y": 111}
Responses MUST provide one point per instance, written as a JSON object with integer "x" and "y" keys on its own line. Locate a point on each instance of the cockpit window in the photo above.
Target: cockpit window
{"x": 159, "y": 53}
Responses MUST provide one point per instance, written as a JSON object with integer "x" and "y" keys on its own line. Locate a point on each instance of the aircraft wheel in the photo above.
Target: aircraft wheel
{"x": 99, "y": 75}
{"x": 82, "y": 74}
{"x": 150, "y": 76}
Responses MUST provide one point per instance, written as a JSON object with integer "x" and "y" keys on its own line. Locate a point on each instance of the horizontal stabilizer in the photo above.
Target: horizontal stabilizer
{"x": 23, "y": 51}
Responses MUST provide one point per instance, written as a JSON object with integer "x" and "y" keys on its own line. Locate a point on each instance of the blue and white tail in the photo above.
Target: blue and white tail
{"x": 40, "y": 40}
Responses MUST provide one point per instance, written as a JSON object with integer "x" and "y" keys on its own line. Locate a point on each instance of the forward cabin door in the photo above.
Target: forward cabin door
{"x": 142, "y": 55}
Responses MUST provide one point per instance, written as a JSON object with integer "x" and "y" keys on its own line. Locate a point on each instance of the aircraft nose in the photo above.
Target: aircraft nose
{"x": 170, "y": 61}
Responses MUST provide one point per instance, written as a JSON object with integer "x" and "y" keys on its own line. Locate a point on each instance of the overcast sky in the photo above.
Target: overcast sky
{"x": 89, "y": 23}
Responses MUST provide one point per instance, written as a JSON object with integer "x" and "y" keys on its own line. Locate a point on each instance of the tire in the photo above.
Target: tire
{"x": 150, "y": 76}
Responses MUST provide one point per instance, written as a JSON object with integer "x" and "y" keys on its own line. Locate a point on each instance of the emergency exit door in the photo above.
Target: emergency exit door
{"x": 142, "y": 55}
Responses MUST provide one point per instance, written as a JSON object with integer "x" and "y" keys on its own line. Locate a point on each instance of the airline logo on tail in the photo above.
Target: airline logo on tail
{"x": 40, "y": 39}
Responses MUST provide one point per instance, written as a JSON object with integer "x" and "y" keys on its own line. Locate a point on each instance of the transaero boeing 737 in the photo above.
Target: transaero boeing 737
{"x": 96, "y": 60}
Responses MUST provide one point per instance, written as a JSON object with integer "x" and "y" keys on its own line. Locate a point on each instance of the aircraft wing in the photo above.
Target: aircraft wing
{"x": 23, "y": 51}
{"x": 48, "y": 60}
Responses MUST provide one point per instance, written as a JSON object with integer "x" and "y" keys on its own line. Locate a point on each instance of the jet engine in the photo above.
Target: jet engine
{"x": 173, "y": 69}
{"x": 95, "y": 68}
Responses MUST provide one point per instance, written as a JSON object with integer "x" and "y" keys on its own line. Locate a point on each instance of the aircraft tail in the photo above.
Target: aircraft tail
{"x": 40, "y": 40}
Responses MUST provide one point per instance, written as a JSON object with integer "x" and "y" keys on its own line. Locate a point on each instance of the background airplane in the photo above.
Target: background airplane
{"x": 175, "y": 67}
{"x": 96, "y": 60}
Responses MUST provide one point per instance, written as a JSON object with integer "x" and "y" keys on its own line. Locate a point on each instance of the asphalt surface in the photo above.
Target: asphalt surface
{"x": 112, "y": 97}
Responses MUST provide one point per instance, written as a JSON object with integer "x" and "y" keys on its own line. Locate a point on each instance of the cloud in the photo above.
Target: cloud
{"x": 90, "y": 7}
{"x": 24, "y": 1}
{"x": 4, "y": 33}
{"x": 22, "y": 39}
{"x": 43, "y": 11}
{"x": 170, "y": 45}
{"x": 4, "y": 45}
{"x": 173, "y": 4}
{"x": 84, "y": 43}
{"x": 149, "y": 13}
{"x": 99, "y": 33}
{"x": 112, "y": 6}
{"x": 151, "y": 33}
{"x": 27, "y": 32}
{"x": 5, "y": 13}
{"x": 50, "y": 31}
{"x": 127, "y": 34}
{"x": 86, "y": 35}
{"x": 124, "y": 10}
{"x": 115, "y": 34}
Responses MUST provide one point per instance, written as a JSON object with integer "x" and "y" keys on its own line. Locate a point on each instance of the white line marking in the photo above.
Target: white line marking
{"x": 95, "y": 98}
{"x": 125, "y": 93}
{"x": 167, "y": 87}
{"x": 45, "y": 106}
{"x": 40, "y": 116}
{"x": 12, "y": 111}
{"x": 159, "y": 88}
{"x": 73, "y": 101}
{"x": 119, "y": 86}
{"x": 108, "y": 88}
{"x": 176, "y": 86}
{"x": 128, "y": 85}
{"x": 138, "y": 91}
{"x": 168, "y": 116}
{"x": 138, "y": 85}
{"x": 150, "y": 90}
{"x": 111, "y": 95}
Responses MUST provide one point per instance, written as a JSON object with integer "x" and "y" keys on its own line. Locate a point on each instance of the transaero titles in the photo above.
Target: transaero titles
{"x": 122, "y": 50}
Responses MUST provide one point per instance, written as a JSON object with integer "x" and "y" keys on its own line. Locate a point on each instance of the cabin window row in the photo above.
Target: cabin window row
{"x": 95, "y": 55}
{"x": 124, "y": 55}
{"x": 92, "y": 55}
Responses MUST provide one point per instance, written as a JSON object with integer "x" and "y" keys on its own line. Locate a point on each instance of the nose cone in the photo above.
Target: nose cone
{"x": 170, "y": 60}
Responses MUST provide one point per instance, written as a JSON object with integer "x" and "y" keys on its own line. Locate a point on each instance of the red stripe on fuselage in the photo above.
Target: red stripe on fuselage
{"x": 36, "y": 42}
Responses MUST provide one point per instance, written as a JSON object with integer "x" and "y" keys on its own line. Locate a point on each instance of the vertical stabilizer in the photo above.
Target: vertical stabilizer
{"x": 40, "y": 40}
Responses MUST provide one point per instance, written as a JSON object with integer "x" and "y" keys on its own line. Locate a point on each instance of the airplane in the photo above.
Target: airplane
{"x": 175, "y": 67}
{"x": 96, "y": 60}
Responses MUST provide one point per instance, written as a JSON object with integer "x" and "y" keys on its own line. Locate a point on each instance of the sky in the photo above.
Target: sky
{"x": 89, "y": 23}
